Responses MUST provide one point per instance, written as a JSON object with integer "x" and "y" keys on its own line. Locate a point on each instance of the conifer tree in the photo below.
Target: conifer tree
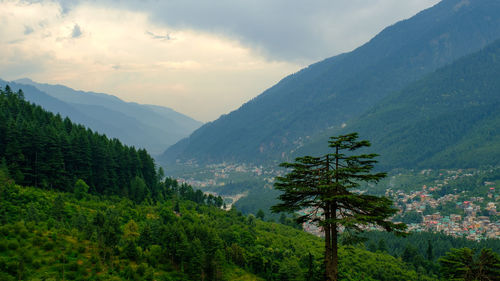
{"x": 430, "y": 254}
{"x": 462, "y": 264}
{"x": 325, "y": 188}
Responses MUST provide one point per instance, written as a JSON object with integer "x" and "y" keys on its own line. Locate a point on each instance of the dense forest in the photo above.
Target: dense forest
{"x": 422, "y": 250}
{"x": 43, "y": 150}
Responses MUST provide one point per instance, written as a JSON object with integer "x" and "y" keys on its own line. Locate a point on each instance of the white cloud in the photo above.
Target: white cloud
{"x": 123, "y": 53}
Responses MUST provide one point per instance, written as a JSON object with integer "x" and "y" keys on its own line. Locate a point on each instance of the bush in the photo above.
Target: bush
{"x": 13, "y": 245}
{"x": 3, "y": 246}
{"x": 70, "y": 275}
{"x": 48, "y": 246}
{"x": 6, "y": 277}
{"x": 94, "y": 259}
{"x": 24, "y": 233}
{"x": 27, "y": 256}
{"x": 36, "y": 264}
{"x": 73, "y": 266}
{"x": 3, "y": 264}
{"x": 38, "y": 241}
{"x": 11, "y": 268}
{"x": 4, "y": 230}
{"x": 141, "y": 269}
{"x": 81, "y": 249}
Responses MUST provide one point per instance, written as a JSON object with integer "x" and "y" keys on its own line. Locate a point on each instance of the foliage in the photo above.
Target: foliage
{"x": 461, "y": 264}
{"x": 323, "y": 188}
{"x": 422, "y": 250}
{"x": 109, "y": 237}
{"x": 81, "y": 189}
{"x": 44, "y": 150}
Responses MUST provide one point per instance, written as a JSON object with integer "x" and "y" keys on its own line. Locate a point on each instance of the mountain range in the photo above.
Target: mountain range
{"x": 448, "y": 119}
{"x": 144, "y": 126}
{"x": 402, "y": 65}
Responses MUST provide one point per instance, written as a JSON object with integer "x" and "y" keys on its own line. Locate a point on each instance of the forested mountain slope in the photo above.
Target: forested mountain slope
{"x": 42, "y": 149}
{"x": 144, "y": 126}
{"x": 48, "y": 235}
{"x": 339, "y": 89}
{"x": 449, "y": 119}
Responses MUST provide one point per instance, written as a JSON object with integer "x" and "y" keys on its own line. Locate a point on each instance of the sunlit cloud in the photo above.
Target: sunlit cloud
{"x": 121, "y": 52}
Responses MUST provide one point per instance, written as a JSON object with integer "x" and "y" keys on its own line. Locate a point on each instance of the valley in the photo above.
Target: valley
{"x": 380, "y": 162}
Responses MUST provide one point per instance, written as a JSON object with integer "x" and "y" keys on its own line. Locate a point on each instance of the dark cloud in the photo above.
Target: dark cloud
{"x": 279, "y": 29}
{"x": 77, "y": 32}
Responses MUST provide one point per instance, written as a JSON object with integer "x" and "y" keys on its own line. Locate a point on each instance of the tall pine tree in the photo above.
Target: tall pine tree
{"x": 325, "y": 186}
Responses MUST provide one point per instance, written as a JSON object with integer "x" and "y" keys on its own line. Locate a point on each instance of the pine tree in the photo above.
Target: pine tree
{"x": 260, "y": 214}
{"x": 58, "y": 208}
{"x": 430, "y": 254}
{"x": 324, "y": 188}
{"x": 461, "y": 264}
{"x": 81, "y": 189}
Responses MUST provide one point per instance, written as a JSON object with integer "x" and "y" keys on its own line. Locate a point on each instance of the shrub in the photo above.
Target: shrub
{"x": 81, "y": 249}
{"x": 13, "y": 245}
{"x": 3, "y": 246}
{"x": 48, "y": 246}
{"x": 38, "y": 241}
{"x": 73, "y": 266}
{"x": 36, "y": 264}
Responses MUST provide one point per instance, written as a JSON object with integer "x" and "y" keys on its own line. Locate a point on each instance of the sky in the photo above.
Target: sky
{"x": 201, "y": 58}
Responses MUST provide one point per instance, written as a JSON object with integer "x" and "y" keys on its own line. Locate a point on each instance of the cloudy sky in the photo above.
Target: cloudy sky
{"x": 202, "y": 58}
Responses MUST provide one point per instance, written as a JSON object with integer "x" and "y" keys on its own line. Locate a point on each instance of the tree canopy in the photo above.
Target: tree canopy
{"x": 324, "y": 189}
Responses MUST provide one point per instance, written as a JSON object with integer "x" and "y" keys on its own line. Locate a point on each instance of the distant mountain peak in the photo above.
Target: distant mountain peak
{"x": 24, "y": 81}
{"x": 144, "y": 126}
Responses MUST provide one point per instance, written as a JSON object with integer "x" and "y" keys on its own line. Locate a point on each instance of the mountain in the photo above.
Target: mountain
{"x": 335, "y": 91}
{"x": 449, "y": 119}
{"x": 43, "y": 150}
{"x": 146, "y": 126}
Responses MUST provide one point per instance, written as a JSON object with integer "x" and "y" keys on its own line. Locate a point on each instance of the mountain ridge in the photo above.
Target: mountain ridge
{"x": 270, "y": 127}
{"x": 447, "y": 119}
{"x": 140, "y": 125}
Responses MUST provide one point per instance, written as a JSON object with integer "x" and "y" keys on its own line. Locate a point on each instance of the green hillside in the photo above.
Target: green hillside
{"x": 44, "y": 150}
{"x": 450, "y": 118}
{"x": 48, "y": 235}
{"x": 327, "y": 94}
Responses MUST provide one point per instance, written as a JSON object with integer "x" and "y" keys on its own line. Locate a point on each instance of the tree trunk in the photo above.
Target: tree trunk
{"x": 335, "y": 257}
{"x": 329, "y": 270}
